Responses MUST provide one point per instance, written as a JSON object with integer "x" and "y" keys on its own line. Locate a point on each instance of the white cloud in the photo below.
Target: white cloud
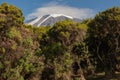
{"x": 54, "y": 8}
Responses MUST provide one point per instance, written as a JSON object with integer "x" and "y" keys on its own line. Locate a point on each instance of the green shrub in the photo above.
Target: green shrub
{"x": 27, "y": 42}
{"x": 13, "y": 33}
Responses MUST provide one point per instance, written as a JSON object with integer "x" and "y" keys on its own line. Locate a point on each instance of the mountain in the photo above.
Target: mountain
{"x": 49, "y": 20}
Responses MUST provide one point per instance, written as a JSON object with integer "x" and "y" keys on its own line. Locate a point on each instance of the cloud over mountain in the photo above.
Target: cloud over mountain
{"x": 54, "y": 8}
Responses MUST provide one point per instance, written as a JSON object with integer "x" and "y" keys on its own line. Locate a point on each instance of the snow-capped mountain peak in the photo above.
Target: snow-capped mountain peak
{"x": 58, "y": 15}
{"x": 49, "y": 20}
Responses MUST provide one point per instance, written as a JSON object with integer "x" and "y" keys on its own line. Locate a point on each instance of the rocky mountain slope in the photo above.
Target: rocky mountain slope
{"x": 49, "y": 20}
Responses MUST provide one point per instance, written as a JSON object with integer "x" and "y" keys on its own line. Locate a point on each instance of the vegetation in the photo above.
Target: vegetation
{"x": 104, "y": 40}
{"x": 89, "y": 50}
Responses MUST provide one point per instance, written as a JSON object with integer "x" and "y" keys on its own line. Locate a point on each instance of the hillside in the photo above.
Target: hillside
{"x": 66, "y": 50}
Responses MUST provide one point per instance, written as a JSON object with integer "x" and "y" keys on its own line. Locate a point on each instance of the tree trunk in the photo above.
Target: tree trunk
{"x": 109, "y": 70}
{"x": 80, "y": 72}
{"x": 82, "y": 77}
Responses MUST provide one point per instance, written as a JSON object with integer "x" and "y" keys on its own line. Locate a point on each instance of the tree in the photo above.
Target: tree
{"x": 57, "y": 46}
{"x": 10, "y": 16}
{"x": 104, "y": 38}
{"x": 68, "y": 33}
{"x": 18, "y": 46}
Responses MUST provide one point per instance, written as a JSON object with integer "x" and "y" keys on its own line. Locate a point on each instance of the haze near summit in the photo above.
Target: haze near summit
{"x": 56, "y": 8}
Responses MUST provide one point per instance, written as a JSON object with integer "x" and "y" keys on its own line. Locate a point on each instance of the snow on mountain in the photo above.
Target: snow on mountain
{"x": 49, "y": 20}
{"x": 57, "y": 15}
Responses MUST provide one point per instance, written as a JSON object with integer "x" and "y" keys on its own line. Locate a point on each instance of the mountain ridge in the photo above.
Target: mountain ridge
{"x": 50, "y": 19}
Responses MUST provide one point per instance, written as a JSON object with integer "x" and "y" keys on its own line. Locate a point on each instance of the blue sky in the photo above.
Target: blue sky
{"x": 75, "y": 8}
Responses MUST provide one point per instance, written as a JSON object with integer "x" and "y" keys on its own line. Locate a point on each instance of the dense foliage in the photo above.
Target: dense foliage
{"x": 65, "y": 51}
{"x": 104, "y": 40}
